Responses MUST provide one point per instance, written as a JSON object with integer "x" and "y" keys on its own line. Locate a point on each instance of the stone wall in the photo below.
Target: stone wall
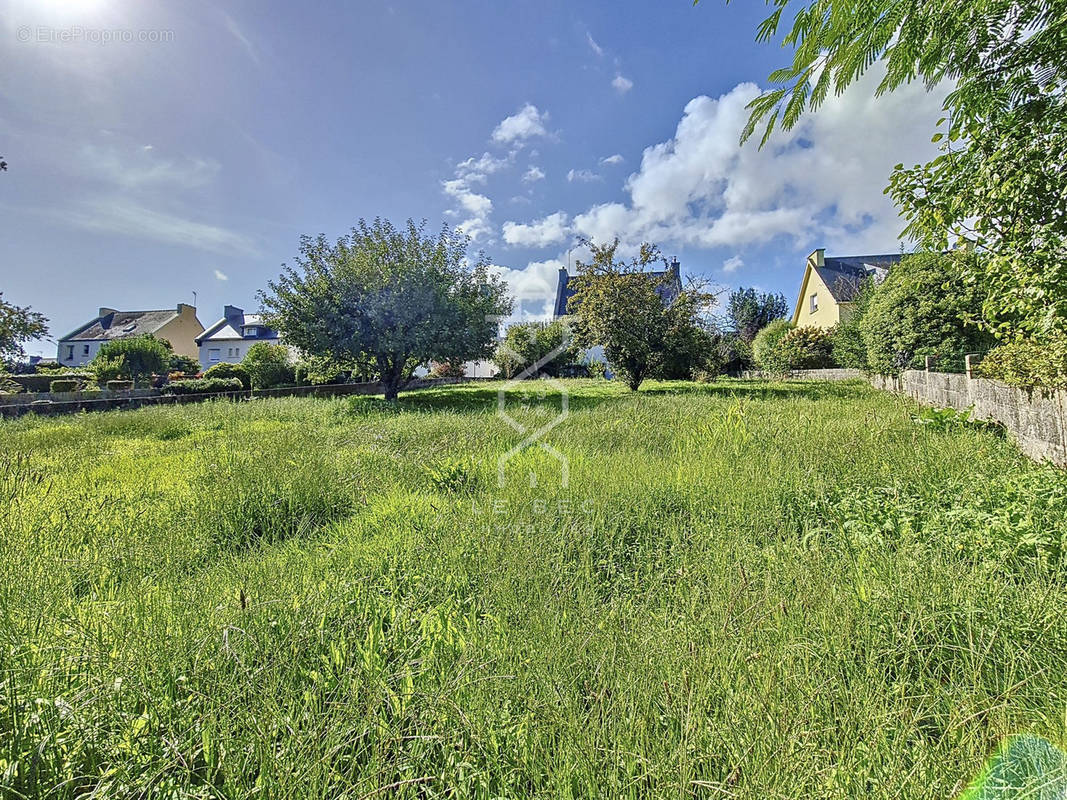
{"x": 1036, "y": 419}
{"x": 72, "y": 402}
{"x": 807, "y": 374}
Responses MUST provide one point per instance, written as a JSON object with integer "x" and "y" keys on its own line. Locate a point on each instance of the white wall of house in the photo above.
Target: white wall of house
{"x": 229, "y": 351}
{"x": 78, "y": 353}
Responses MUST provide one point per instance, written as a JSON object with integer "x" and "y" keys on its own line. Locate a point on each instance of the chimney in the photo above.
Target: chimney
{"x": 818, "y": 257}
{"x": 675, "y": 267}
{"x": 229, "y": 312}
{"x": 104, "y": 311}
{"x": 185, "y": 308}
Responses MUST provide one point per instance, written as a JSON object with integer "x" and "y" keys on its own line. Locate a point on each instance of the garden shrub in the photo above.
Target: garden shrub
{"x": 808, "y": 348}
{"x": 768, "y": 352}
{"x": 108, "y": 369}
{"x": 8, "y": 386}
{"x": 923, "y": 308}
{"x": 226, "y": 370}
{"x": 448, "y": 369}
{"x": 528, "y": 343}
{"x": 183, "y": 364}
{"x": 64, "y": 385}
{"x": 203, "y": 386}
{"x": 119, "y": 386}
{"x": 142, "y": 356}
{"x": 43, "y": 382}
{"x": 1028, "y": 363}
{"x": 268, "y": 365}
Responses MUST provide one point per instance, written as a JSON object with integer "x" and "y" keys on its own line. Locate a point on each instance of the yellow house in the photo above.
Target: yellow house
{"x": 830, "y": 286}
{"x": 178, "y": 325}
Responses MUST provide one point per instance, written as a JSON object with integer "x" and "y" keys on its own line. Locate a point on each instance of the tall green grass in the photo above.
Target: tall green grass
{"x": 746, "y": 590}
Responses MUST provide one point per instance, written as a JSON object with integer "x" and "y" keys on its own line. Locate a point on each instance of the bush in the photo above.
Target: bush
{"x": 529, "y": 343}
{"x": 43, "y": 382}
{"x": 268, "y": 365}
{"x": 767, "y": 351}
{"x": 808, "y": 348}
{"x": 923, "y": 308}
{"x": 203, "y": 386}
{"x": 849, "y": 348}
{"x": 1028, "y": 363}
{"x": 8, "y": 386}
{"x": 107, "y": 369}
{"x": 226, "y": 370}
{"x": 64, "y": 385}
{"x": 119, "y": 386}
{"x": 141, "y": 355}
{"x": 448, "y": 369}
{"x": 183, "y": 364}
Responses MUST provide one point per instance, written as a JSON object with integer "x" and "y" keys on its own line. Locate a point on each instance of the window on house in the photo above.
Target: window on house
{"x": 85, "y": 350}
{"x": 213, "y": 354}
{"x": 70, "y": 352}
{"x": 814, "y": 303}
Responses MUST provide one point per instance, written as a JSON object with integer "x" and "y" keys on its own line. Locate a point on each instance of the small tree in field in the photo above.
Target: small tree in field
{"x": 399, "y": 297}
{"x": 527, "y": 343}
{"x": 749, "y": 311}
{"x": 18, "y": 325}
{"x": 141, "y": 355}
{"x": 618, "y": 305}
{"x": 268, "y": 365}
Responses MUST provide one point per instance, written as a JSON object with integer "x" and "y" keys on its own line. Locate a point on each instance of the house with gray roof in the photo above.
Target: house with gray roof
{"x": 178, "y": 325}
{"x": 228, "y": 340}
{"x": 668, "y": 289}
{"x": 831, "y": 284}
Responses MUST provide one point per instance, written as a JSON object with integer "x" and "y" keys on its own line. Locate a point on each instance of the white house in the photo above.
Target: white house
{"x": 178, "y": 325}
{"x": 228, "y": 339}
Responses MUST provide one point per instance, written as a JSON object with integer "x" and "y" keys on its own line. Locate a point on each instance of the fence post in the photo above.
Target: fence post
{"x": 970, "y": 361}
{"x": 929, "y": 363}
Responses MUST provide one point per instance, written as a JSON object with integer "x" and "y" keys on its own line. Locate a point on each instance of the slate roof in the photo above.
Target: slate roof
{"x": 668, "y": 291}
{"x": 121, "y": 324}
{"x": 843, "y": 275}
{"x": 230, "y": 327}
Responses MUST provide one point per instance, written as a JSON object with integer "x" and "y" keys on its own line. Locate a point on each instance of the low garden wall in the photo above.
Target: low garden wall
{"x": 67, "y": 403}
{"x": 1037, "y": 419}
{"x": 810, "y": 374}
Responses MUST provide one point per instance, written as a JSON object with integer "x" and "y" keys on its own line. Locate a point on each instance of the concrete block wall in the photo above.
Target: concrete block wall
{"x": 1037, "y": 419}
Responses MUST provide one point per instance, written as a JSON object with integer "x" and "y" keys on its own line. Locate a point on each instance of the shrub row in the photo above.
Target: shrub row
{"x": 203, "y": 386}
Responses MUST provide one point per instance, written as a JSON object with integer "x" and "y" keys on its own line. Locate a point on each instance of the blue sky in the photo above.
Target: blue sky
{"x": 159, "y": 149}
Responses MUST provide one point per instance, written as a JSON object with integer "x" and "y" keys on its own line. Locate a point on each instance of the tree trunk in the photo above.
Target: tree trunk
{"x": 391, "y": 387}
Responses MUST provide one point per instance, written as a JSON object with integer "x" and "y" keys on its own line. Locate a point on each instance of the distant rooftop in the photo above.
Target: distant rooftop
{"x": 111, "y": 324}
{"x": 844, "y": 275}
{"x": 668, "y": 292}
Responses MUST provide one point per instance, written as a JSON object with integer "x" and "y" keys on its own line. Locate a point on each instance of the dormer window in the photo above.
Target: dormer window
{"x": 251, "y": 330}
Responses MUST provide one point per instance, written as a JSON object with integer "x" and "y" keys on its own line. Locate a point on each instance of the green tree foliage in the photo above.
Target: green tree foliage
{"x": 319, "y": 370}
{"x": 268, "y": 365}
{"x": 768, "y": 352}
{"x": 107, "y": 369}
{"x": 617, "y": 304}
{"x": 1001, "y": 180}
{"x": 18, "y": 325}
{"x": 1026, "y": 363}
{"x": 530, "y": 343}
{"x": 923, "y": 308}
{"x": 396, "y": 296}
{"x": 808, "y": 348}
{"x": 1005, "y": 192}
{"x": 186, "y": 364}
{"x": 749, "y": 311}
{"x": 227, "y": 370}
{"x": 997, "y": 52}
{"x": 849, "y": 347}
{"x": 142, "y": 356}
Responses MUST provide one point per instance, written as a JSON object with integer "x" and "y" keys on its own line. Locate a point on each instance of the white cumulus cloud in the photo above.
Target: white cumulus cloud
{"x": 622, "y": 84}
{"x": 533, "y": 174}
{"x": 528, "y": 122}
{"x": 582, "y": 176}
{"x": 550, "y": 230}
{"x": 732, "y": 264}
{"x": 819, "y": 184}
{"x": 221, "y": 276}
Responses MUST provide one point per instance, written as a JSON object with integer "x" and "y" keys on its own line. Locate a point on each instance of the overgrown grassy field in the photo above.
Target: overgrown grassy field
{"x": 745, "y": 590}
